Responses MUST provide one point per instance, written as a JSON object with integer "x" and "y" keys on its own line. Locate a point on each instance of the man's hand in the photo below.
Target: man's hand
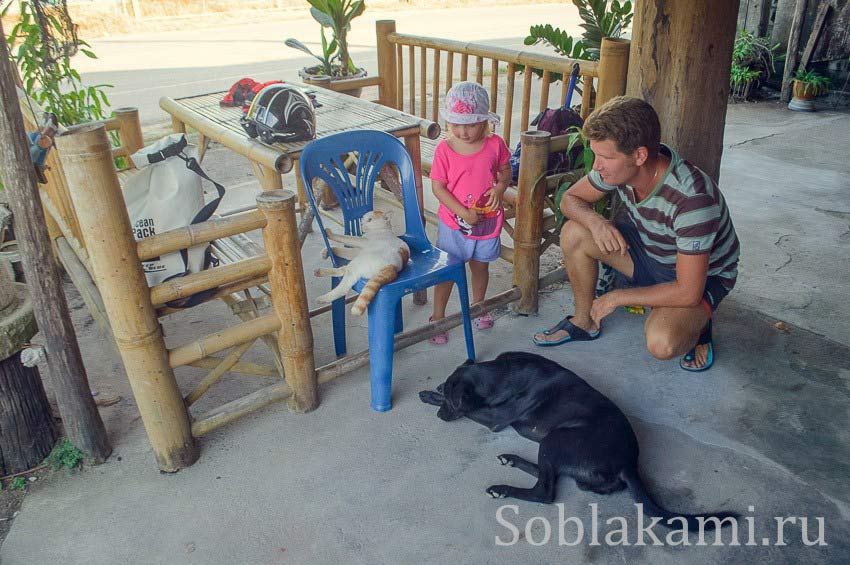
{"x": 603, "y": 306}
{"x": 608, "y": 238}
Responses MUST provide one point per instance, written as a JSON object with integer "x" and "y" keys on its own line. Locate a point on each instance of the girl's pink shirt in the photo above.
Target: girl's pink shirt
{"x": 468, "y": 177}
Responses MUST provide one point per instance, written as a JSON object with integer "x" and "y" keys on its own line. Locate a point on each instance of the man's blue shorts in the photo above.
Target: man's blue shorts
{"x": 650, "y": 272}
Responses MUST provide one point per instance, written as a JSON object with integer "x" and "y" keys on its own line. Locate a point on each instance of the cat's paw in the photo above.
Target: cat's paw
{"x": 325, "y": 253}
{"x": 317, "y": 272}
{"x": 323, "y": 299}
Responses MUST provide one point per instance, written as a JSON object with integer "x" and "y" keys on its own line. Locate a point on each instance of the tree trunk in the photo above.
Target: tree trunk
{"x": 679, "y": 62}
{"x": 27, "y": 433}
{"x": 68, "y": 375}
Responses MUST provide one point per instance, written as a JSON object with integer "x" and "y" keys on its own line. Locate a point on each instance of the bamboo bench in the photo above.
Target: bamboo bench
{"x": 415, "y": 72}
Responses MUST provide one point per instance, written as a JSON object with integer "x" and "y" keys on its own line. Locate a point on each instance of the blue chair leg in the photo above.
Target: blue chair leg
{"x": 381, "y": 352}
{"x": 463, "y": 294}
{"x": 338, "y": 314}
{"x": 399, "y": 318}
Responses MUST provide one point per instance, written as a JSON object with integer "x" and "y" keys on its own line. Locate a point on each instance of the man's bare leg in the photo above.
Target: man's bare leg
{"x": 672, "y": 332}
{"x": 580, "y": 256}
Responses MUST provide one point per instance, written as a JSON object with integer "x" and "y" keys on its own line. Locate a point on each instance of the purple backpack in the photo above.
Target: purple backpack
{"x": 558, "y": 121}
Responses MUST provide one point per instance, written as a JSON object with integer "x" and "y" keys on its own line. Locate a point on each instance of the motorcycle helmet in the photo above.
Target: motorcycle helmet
{"x": 280, "y": 112}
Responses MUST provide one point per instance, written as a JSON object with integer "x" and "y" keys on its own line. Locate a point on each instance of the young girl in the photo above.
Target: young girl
{"x": 470, "y": 173}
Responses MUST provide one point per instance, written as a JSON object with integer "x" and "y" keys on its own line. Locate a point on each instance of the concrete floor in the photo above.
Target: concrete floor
{"x": 764, "y": 433}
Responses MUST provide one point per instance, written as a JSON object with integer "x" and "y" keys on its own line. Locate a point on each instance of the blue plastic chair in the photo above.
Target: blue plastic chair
{"x": 324, "y": 158}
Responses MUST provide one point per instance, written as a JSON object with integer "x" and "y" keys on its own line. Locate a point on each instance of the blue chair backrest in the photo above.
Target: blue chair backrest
{"x": 325, "y": 159}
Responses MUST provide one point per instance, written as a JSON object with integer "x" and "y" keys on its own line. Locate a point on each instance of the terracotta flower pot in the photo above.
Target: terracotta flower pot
{"x": 310, "y": 76}
{"x": 803, "y": 90}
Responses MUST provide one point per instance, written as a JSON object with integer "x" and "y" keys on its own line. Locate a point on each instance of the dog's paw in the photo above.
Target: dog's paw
{"x": 506, "y": 459}
{"x": 497, "y": 491}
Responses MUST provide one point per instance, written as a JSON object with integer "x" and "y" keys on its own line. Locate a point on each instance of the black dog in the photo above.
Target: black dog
{"x": 582, "y": 434}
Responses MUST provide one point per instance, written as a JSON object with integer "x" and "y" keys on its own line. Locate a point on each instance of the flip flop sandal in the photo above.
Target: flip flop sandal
{"x": 439, "y": 339}
{"x": 704, "y": 338}
{"x": 574, "y": 333}
{"x": 484, "y": 322}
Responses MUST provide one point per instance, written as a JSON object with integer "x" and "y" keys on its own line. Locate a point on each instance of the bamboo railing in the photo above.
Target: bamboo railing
{"x": 424, "y": 68}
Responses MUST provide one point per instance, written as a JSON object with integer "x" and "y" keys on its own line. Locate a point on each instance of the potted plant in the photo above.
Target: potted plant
{"x": 335, "y": 63}
{"x": 806, "y": 85}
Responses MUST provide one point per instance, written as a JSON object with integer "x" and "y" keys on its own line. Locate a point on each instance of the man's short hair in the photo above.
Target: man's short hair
{"x": 627, "y": 121}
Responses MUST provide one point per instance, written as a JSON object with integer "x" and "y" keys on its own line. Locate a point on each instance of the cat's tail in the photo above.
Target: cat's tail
{"x": 385, "y": 275}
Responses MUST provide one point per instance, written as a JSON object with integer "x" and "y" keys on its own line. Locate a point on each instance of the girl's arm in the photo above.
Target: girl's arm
{"x": 447, "y": 199}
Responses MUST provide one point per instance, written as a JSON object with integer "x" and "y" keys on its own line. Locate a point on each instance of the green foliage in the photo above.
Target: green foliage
{"x": 602, "y": 18}
{"x": 561, "y": 41}
{"x": 740, "y": 75}
{"x": 753, "y": 58}
{"x": 335, "y": 15}
{"x": 18, "y": 483}
{"x": 813, "y": 81}
{"x": 64, "y": 455}
{"x": 580, "y": 168}
{"x": 56, "y": 87}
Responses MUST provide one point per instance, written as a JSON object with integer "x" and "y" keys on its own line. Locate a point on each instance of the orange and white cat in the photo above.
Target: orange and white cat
{"x": 378, "y": 255}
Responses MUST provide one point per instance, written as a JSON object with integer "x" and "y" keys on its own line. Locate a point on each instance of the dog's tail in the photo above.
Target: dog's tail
{"x": 705, "y": 521}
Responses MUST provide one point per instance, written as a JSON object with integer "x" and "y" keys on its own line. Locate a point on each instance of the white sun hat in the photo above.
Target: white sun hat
{"x": 467, "y": 103}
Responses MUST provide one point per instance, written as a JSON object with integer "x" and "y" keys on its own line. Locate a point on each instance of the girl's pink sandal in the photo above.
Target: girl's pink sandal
{"x": 484, "y": 322}
{"x": 439, "y": 339}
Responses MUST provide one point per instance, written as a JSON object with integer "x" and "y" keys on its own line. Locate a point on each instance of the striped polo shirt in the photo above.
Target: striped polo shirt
{"x": 685, "y": 213}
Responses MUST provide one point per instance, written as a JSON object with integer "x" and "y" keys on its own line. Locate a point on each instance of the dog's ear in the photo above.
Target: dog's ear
{"x": 468, "y": 362}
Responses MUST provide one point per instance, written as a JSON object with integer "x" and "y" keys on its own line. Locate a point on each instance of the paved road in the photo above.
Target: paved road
{"x": 145, "y": 66}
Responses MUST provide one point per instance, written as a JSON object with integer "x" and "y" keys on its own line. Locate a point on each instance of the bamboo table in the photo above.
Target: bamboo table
{"x": 337, "y": 112}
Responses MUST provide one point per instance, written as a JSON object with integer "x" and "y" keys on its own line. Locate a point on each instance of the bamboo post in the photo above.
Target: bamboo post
{"x": 178, "y": 125}
{"x": 289, "y": 296}
{"x": 79, "y": 414}
{"x": 529, "y": 217}
{"x": 386, "y": 63}
{"x": 613, "y": 69}
{"x": 130, "y": 132}
{"x": 96, "y": 194}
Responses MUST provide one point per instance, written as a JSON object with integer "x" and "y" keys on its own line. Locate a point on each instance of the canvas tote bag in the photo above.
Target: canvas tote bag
{"x": 166, "y": 194}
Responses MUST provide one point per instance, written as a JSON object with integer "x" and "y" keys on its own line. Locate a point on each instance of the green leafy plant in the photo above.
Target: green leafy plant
{"x": 602, "y": 18}
{"x": 754, "y": 52}
{"x": 18, "y": 483}
{"x": 740, "y": 75}
{"x": 741, "y": 80}
{"x": 64, "y": 456}
{"x": 336, "y": 15}
{"x": 56, "y": 87}
{"x": 812, "y": 82}
{"x": 753, "y": 62}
